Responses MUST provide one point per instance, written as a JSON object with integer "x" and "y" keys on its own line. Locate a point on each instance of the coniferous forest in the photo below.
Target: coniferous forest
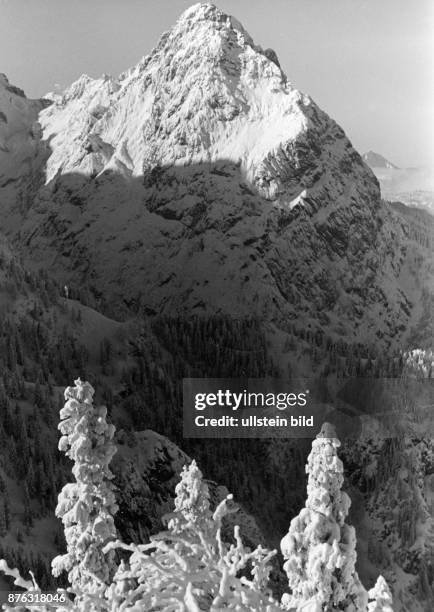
{"x": 137, "y": 370}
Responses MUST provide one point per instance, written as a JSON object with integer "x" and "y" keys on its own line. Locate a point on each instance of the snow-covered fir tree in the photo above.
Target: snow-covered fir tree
{"x": 380, "y": 597}
{"x": 419, "y": 363}
{"x": 189, "y": 567}
{"x": 320, "y": 547}
{"x": 87, "y": 506}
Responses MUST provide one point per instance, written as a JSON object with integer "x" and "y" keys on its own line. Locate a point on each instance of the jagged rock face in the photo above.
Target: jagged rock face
{"x": 202, "y": 180}
{"x": 18, "y": 131}
{"x": 20, "y": 149}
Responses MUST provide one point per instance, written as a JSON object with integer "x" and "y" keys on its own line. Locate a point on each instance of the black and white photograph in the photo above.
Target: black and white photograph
{"x": 217, "y": 306}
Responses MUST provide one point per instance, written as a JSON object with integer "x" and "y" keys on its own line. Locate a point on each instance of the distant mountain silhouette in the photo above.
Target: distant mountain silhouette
{"x": 375, "y": 160}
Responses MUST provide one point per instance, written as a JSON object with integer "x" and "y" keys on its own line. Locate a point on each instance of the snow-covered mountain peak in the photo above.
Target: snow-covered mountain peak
{"x": 206, "y": 92}
{"x": 207, "y": 11}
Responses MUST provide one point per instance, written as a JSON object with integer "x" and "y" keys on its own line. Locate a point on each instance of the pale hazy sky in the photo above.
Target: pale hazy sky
{"x": 368, "y": 63}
